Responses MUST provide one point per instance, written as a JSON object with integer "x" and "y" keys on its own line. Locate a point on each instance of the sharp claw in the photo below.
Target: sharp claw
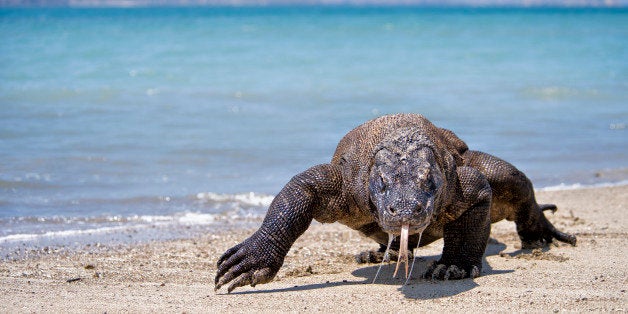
{"x": 475, "y": 272}
{"x": 225, "y": 256}
{"x": 220, "y": 284}
{"x": 231, "y": 267}
{"x": 242, "y": 280}
{"x": 564, "y": 237}
{"x": 453, "y": 272}
{"x": 437, "y": 273}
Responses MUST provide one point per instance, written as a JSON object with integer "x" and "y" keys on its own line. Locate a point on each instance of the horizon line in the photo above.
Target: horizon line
{"x": 522, "y": 4}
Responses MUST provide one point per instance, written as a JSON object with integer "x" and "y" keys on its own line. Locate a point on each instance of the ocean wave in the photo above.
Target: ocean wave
{"x": 576, "y": 186}
{"x": 81, "y": 226}
{"x": 250, "y": 199}
{"x": 96, "y": 220}
{"x": 228, "y": 208}
{"x": 87, "y": 216}
{"x": 197, "y": 219}
{"x": 186, "y": 218}
{"x": 24, "y": 237}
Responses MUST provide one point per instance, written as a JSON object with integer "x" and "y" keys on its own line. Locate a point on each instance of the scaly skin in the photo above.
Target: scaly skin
{"x": 394, "y": 170}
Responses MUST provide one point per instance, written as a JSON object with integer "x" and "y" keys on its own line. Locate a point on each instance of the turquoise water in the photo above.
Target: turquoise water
{"x": 113, "y": 119}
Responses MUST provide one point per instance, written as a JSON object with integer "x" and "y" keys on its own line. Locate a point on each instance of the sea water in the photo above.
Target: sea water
{"x": 130, "y": 123}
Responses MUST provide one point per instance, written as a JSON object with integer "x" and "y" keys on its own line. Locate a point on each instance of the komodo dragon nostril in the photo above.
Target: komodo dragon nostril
{"x": 392, "y": 210}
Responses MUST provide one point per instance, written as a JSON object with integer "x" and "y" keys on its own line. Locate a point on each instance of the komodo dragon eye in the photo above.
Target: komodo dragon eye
{"x": 429, "y": 184}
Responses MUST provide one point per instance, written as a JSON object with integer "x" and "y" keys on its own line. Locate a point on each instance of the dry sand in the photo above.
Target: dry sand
{"x": 319, "y": 273}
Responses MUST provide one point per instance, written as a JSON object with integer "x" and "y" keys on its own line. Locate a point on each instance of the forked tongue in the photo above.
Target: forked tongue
{"x": 385, "y": 259}
{"x": 403, "y": 249}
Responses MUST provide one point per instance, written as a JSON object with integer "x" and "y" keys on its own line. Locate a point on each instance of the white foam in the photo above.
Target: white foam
{"x": 251, "y": 199}
{"x": 141, "y": 222}
{"x": 18, "y": 237}
{"x": 154, "y": 219}
{"x": 197, "y": 219}
{"x": 58, "y": 234}
{"x": 575, "y": 186}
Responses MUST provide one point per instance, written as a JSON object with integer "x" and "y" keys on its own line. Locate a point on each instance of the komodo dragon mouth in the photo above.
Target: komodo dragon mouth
{"x": 403, "y": 249}
{"x": 403, "y": 256}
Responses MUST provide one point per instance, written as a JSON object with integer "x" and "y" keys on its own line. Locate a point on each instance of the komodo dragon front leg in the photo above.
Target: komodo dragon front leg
{"x": 309, "y": 195}
{"x": 465, "y": 237}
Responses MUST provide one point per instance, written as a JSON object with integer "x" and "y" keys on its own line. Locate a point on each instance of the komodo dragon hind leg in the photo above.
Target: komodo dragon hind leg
{"x": 514, "y": 199}
{"x": 536, "y": 231}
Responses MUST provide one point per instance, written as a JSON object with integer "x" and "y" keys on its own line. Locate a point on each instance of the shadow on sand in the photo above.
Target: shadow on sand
{"x": 417, "y": 288}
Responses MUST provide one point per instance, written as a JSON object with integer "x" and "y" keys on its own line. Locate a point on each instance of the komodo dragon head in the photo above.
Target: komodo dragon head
{"x": 405, "y": 181}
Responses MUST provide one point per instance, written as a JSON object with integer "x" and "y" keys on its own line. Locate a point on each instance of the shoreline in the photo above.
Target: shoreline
{"x": 76, "y": 233}
{"x": 320, "y": 274}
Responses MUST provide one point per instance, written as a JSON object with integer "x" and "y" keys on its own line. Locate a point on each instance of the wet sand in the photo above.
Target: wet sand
{"x": 320, "y": 274}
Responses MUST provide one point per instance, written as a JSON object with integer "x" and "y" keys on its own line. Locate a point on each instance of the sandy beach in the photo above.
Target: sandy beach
{"x": 320, "y": 274}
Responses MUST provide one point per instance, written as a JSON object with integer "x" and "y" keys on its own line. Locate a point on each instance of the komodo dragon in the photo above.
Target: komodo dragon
{"x": 398, "y": 175}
